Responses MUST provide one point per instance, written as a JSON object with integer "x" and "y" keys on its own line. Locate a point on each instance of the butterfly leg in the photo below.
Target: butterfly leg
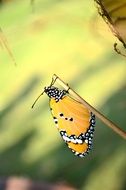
{"x": 67, "y": 91}
{"x": 53, "y": 81}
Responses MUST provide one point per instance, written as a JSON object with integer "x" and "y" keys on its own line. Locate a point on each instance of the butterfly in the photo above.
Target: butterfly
{"x": 73, "y": 120}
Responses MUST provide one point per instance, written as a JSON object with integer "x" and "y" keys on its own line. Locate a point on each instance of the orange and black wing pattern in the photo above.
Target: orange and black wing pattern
{"x": 74, "y": 122}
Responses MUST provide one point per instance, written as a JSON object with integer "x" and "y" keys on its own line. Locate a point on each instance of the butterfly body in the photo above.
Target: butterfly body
{"x": 73, "y": 120}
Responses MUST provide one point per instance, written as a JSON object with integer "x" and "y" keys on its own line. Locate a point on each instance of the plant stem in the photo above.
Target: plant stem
{"x": 104, "y": 119}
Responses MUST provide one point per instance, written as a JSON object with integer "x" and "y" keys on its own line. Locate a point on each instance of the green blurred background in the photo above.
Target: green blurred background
{"x": 62, "y": 37}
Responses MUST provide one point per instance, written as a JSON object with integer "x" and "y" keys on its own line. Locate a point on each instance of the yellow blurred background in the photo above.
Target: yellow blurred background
{"x": 60, "y": 37}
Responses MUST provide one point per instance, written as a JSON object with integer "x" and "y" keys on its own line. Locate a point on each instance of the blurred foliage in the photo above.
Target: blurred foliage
{"x": 117, "y": 12}
{"x": 114, "y": 14}
{"x": 59, "y": 37}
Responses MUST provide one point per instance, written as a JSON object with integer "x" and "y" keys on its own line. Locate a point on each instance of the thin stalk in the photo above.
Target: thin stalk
{"x": 104, "y": 119}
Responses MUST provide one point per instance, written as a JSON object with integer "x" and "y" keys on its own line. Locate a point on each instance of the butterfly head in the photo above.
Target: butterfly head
{"x": 54, "y": 92}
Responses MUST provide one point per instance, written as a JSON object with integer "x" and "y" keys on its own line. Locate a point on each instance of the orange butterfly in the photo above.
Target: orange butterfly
{"x": 73, "y": 120}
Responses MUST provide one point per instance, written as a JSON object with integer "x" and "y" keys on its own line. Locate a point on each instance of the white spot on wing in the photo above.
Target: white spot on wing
{"x": 65, "y": 138}
{"x": 86, "y": 141}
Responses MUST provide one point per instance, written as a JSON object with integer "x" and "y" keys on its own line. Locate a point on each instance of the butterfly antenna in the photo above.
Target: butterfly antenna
{"x": 37, "y": 99}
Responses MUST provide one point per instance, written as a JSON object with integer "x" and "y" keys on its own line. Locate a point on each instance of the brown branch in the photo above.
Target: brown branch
{"x": 104, "y": 119}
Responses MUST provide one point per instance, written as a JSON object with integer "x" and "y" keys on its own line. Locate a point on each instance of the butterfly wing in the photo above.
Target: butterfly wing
{"x": 75, "y": 124}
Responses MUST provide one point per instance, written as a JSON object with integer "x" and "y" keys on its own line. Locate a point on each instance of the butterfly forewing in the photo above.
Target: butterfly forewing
{"x": 74, "y": 122}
